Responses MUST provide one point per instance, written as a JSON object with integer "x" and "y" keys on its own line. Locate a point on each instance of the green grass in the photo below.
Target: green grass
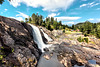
{"x": 71, "y": 32}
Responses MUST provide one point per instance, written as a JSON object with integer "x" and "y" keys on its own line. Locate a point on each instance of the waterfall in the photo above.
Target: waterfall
{"x": 38, "y": 38}
{"x": 46, "y": 36}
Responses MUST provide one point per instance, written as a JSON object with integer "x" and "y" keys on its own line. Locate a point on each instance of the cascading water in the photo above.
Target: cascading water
{"x": 38, "y": 38}
{"x": 46, "y": 36}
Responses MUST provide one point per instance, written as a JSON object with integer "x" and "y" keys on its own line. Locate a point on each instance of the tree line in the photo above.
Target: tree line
{"x": 88, "y": 28}
{"x": 50, "y": 23}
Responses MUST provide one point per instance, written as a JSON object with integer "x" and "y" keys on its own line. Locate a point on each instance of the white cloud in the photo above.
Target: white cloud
{"x": 6, "y": 9}
{"x": 70, "y": 23}
{"x": 48, "y": 5}
{"x": 94, "y": 20}
{"x": 83, "y": 5}
{"x": 90, "y": 4}
{"x": 94, "y": 4}
{"x": 67, "y": 18}
{"x": 63, "y": 18}
{"x": 53, "y": 14}
{"x": 90, "y": 19}
{"x": 17, "y": 18}
{"x": 22, "y": 15}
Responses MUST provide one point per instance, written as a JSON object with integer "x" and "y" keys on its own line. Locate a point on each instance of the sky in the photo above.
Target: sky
{"x": 68, "y": 11}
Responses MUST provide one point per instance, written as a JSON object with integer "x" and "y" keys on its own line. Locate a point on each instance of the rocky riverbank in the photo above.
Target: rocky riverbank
{"x": 71, "y": 52}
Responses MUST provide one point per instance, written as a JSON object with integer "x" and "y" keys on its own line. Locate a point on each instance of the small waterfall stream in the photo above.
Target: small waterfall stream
{"x": 38, "y": 38}
{"x": 41, "y": 45}
{"x": 46, "y": 36}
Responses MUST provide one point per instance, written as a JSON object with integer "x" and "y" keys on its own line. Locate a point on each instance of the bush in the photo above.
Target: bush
{"x": 86, "y": 40}
{"x": 80, "y": 39}
{"x": 64, "y": 31}
{"x": 85, "y": 34}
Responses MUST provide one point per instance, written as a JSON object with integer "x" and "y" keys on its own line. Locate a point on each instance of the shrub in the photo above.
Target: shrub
{"x": 1, "y": 57}
{"x": 86, "y": 40}
{"x": 64, "y": 31}
{"x": 80, "y": 39}
{"x": 85, "y": 34}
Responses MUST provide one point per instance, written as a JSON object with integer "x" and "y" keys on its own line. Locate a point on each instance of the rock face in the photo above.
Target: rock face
{"x": 57, "y": 32}
{"x": 17, "y": 47}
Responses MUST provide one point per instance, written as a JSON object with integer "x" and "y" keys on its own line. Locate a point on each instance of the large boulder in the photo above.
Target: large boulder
{"x": 16, "y": 44}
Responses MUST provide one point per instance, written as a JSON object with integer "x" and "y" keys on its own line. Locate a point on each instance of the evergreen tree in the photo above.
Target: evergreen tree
{"x": 26, "y": 20}
{"x": 1, "y": 1}
{"x": 33, "y": 18}
{"x": 40, "y": 20}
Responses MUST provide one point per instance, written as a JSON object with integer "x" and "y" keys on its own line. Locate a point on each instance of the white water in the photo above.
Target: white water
{"x": 46, "y": 36}
{"x": 38, "y": 38}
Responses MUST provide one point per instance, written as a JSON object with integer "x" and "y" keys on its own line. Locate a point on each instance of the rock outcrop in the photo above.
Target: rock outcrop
{"x": 17, "y": 47}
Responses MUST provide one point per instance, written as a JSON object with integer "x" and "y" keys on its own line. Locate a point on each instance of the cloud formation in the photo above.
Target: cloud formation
{"x": 53, "y": 14}
{"x": 68, "y": 23}
{"x": 5, "y": 10}
{"x": 17, "y": 18}
{"x": 95, "y": 20}
{"x": 90, "y": 4}
{"x": 21, "y": 16}
{"x": 48, "y": 5}
{"x": 64, "y": 18}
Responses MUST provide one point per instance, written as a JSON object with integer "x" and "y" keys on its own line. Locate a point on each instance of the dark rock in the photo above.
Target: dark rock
{"x": 18, "y": 46}
{"x": 44, "y": 39}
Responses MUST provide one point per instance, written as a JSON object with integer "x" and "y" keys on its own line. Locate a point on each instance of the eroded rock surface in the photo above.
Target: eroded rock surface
{"x": 17, "y": 47}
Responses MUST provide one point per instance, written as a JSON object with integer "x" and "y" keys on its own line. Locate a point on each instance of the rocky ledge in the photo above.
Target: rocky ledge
{"x": 72, "y": 53}
{"x": 17, "y": 47}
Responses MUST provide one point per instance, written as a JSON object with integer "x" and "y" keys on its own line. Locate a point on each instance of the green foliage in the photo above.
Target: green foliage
{"x": 21, "y": 21}
{"x": 12, "y": 49}
{"x": 49, "y": 22}
{"x": 1, "y": 1}
{"x": 80, "y": 39}
{"x": 88, "y": 28}
{"x": 86, "y": 40}
{"x": 26, "y": 20}
{"x": 1, "y": 57}
{"x": 64, "y": 31}
{"x": 1, "y": 51}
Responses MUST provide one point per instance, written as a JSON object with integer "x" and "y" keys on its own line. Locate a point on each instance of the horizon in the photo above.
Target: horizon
{"x": 68, "y": 11}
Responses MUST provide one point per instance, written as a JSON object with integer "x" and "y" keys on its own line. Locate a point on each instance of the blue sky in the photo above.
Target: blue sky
{"x": 68, "y": 11}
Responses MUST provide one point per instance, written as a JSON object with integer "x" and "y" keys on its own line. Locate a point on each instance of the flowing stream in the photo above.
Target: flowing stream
{"x": 46, "y": 36}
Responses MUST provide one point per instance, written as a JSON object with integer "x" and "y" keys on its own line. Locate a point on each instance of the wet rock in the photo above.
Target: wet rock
{"x": 16, "y": 44}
